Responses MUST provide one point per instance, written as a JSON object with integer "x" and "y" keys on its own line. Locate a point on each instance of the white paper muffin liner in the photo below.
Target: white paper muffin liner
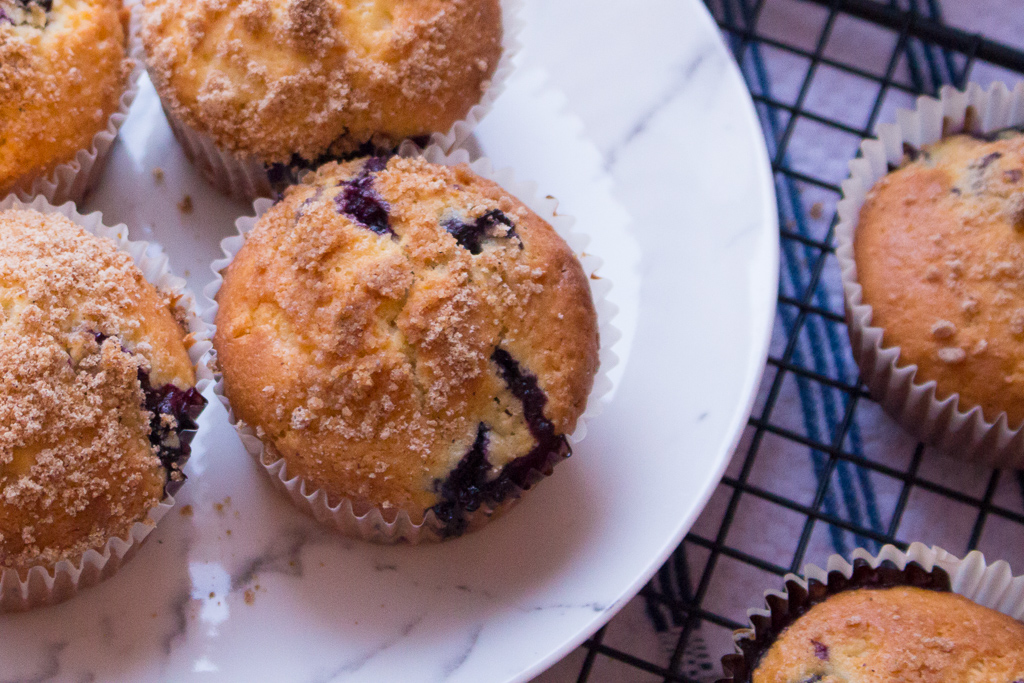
{"x": 246, "y": 178}
{"x": 371, "y": 524}
{"x": 989, "y": 585}
{"x": 73, "y": 180}
{"x": 51, "y": 585}
{"x": 915, "y": 405}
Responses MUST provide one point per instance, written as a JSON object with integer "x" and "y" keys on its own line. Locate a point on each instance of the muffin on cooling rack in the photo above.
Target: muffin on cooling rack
{"x": 408, "y": 337}
{"x": 881, "y": 625}
{"x": 97, "y": 391}
{"x": 293, "y": 81}
{"x": 940, "y": 258}
{"x": 63, "y": 70}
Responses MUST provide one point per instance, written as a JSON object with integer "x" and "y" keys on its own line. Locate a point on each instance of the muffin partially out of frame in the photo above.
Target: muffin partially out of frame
{"x": 940, "y": 258}
{"x": 294, "y": 81}
{"x": 879, "y": 625}
{"x": 63, "y": 70}
{"x": 97, "y": 388}
{"x": 409, "y": 337}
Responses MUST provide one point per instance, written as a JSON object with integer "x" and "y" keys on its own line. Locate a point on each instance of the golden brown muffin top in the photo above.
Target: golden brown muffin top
{"x": 402, "y": 333}
{"x": 63, "y": 69}
{"x": 897, "y": 635}
{"x": 275, "y": 78}
{"x": 84, "y": 343}
{"x": 940, "y": 255}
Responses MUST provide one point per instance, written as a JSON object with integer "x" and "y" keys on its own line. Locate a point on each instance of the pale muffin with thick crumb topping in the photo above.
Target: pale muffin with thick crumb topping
{"x": 292, "y": 81}
{"x": 939, "y": 248}
{"x": 408, "y": 336}
{"x": 96, "y": 388}
{"x": 63, "y": 69}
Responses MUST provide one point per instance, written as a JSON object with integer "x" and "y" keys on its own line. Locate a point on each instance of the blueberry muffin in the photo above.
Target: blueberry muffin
{"x": 883, "y": 626}
{"x": 939, "y": 249}
{"x": 63, "y": 69}
{"x": 293, "y": 81}
{"x": 97, "y": 389}
{"x": 408, "y": 336}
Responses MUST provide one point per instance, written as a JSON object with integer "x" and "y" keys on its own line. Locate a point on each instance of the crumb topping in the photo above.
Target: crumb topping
{"x": 76, "y": 463}
{"x": 367, "y": 357}
{"x": 277, "y": 78}
{"x": 63, "y": 69}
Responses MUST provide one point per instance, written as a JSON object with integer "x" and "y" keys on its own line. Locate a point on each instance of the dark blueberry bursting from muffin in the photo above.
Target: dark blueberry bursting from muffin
{"x": 468, "y": 486}
{"x": 184, "y": 406}
{"x": 525, "y": 388}
{"x": 171, "y": 440}
{"x": 281, "y": 176}
{"x": 470, "y": 236}
{"x": 820, "y": 650}
{"x": 464, "y": 489}
{"x": 360, "y": 202}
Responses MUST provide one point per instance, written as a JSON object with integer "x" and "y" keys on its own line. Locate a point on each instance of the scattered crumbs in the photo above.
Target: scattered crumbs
{"x": 292, "y": 563}
{"x": 943, "y": 329}
{"x": 185, "y": 205}
{"x": 817, "y": 210}
{"x": 250, "y": 596}
{"x": 153, "y": 615}
{"x": 595, "y": 276}
{"x": 186, "y": 511}
{"x": 952, "y": 355}
{"x": 322, "y": 564}
{"x": 158, "y": 174}
{"x": 219, "y": 507}
{"x": 212, "y": 595}
{"x": 228, "y": 532}
{"x": 188, "y": 273}
{"x": 237, "y": 515}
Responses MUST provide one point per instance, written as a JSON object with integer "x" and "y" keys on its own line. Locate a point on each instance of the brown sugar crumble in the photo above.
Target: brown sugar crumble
{"x": 413, "y": 312}
{"x": 74, "y": 433}
{"x": 310, "y": 77}
{"x": 186, "y": 511}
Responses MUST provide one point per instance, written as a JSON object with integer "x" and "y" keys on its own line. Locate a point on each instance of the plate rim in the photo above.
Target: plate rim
{"x": 744, "y": 407}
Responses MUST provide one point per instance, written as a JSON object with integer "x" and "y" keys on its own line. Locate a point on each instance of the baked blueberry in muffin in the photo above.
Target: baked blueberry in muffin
{"x": 409, "y": 337}
{"x": 291, "y": 82}
{"x": 881, "y": 625}
{"x": 939, "y": 249}
{"x": 63, "y": 69}
{"x": 97, "y": 399}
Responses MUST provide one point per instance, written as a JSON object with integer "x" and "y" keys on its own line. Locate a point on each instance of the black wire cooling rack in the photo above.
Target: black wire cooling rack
{"x": 867, "y": 477}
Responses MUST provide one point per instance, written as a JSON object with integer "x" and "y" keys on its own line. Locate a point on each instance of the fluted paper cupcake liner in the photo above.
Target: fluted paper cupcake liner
{"x": 247, "y": 178}
{"x": 73, "y": 180}
{"x": 989, "y": 585}
{"x": 373, "y": 524}
{"x": 915, "y": 405}
{"x": 49, "y": 585}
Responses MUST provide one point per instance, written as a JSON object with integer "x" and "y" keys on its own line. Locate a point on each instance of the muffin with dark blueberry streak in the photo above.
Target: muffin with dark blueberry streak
{"x": 97, "y": 398}
{"x": 410, "y": 337}
{"x": 63, "y": 69}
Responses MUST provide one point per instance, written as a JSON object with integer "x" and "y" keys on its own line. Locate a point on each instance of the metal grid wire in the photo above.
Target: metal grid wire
{"x": 864, "y": 483}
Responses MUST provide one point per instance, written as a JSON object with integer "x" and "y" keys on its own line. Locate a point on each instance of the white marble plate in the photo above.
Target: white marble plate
{"x": 657, "y": 152}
